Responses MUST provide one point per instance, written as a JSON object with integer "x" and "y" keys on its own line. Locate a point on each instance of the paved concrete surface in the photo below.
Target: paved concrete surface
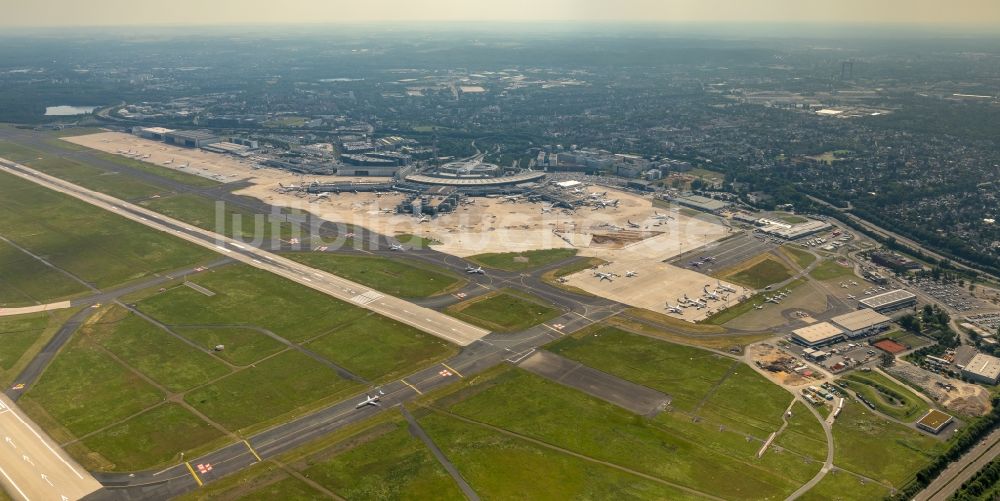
{"x": 61, "y": 305}
{"x": 425, "y": 319}
{"x": 625, "y": 394}
{"x": 32, "y": 466}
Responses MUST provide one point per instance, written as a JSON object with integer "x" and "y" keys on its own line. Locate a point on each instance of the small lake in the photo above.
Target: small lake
{"x": 65, "y": 111}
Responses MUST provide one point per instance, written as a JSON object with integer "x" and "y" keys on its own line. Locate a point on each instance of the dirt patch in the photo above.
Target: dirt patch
{"x": 953, "y": 394}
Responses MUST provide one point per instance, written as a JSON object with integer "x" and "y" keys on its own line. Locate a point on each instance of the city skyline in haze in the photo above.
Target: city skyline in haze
{"x": 82, "y": 13}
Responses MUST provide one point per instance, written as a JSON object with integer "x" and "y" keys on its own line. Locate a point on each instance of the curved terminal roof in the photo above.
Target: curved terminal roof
{"x": 523, "y": 177}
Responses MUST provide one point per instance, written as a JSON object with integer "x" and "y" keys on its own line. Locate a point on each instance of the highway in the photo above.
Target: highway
{"x": 949, "y": 480}
{"x": 32, "y": 466}
{"x": 425, "y": 319}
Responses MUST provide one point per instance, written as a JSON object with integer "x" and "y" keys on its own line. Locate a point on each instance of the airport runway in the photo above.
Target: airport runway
{"x": 425, "y": 319}
{"x": 32, "y": 466}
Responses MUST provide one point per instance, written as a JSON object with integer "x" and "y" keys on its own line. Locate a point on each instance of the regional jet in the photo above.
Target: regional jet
{"x": 477, "y": 271}
{"x": 396, "y": 247}
{"x": 605, "y": 276}
{"x": 372, "y": 400}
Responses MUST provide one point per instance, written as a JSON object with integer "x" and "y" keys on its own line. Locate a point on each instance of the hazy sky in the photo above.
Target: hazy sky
{"x": 26, "y": 13}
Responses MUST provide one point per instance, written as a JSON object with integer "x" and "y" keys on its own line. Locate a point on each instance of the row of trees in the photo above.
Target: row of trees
{"x": 982, "y": 486}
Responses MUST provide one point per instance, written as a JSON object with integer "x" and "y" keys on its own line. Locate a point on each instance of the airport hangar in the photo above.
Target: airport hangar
{"x": 861, "y": 323}
{"x": 819, "y": 334}
{"x": 889, "y": 301}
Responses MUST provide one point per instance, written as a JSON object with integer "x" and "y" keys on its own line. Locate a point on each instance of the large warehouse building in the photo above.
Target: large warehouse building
{"x": 860, "y": 323}
{"x": 820, "y": 334}
{"x": 889, "y": 301}
{"x": 191, "y": 138}
{"x": 983, "y": 368}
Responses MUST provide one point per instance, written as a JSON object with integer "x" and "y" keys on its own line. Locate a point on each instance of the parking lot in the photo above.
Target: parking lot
{"x": 851, "y": 353}
{"x": 990, "y": 322}
{"x": 951, "y": 295}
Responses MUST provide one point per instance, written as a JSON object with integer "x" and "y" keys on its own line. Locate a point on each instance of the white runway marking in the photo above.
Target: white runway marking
{"x": 11, "y": 481}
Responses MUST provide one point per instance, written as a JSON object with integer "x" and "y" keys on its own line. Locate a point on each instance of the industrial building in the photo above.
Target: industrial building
{"x": 934, "y": 421}
{"x": 982, "y": 368}
{"x": 820, "y": 334}
{"x": 794, "y": 231}
{"x": 191, "y": 138}
{"x": 889, "y": 301}
{"x": 861, "y": 322}
{"x": 154, "y": 133}
{"x": 703, "y": 204}
{"x": 894, "y": 262}
{"x": 228, "y": 148}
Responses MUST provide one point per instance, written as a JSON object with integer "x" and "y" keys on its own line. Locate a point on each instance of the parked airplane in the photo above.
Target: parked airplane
{"x": 631, "y": 273}
{"x": 674, "y": 309}
{"x": 423, "y": 219}
{"x": 168, "y": 162}
{"x": 372, "y": 400}
{"x": 605, "y": 276}
{"x": 396, "y": 247}
{"x": 759, "y": 307}
{"x": 631, "y": 224}
{"x": 478, "y": 271}
{"x": 661, "y": 217}
{"x": 851, "y": 296}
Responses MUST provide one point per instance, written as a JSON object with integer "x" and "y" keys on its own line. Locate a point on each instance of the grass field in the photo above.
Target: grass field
{"x": 503, "y": 311}
{"x": 399, "y": 277}
{"x": 842, "y": 486}
{"x": 686, "y": 374}
{"x": 22, "y": 336}
{"x": 766, "y": 272}
{"x": 747, "y": 398}
{"x": 154, "y": 352}
{"x": 415, "y": 241}
{"x": 531, "y": 406}
{"x": 227, "y": 219}
{"x": 522, "y": 261}
{"x": 829, "y": 270}
{"x": 889, "y": 398}
{"x": 383, "y": 463}
{"x": 91, "y": 243}
{"x": 804, "y": 434}
{"x": 880, "y": 449}
{"x": 151, "y": 439}
{"x": 284, "y": 382}
{"x": 24, "y": 280}
{"x": 83, "y": 389}
{"x": 246, "y": 296}
{"x": 801, "y": 257}
{"x": 243, "y": 346}
{"x": 88, "y": 176}
{"x": 498, "y": 466}
{"x": 377, "y": 348}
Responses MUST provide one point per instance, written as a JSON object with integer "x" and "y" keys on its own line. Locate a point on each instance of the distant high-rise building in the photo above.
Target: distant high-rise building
{"x": 847, "y": 70}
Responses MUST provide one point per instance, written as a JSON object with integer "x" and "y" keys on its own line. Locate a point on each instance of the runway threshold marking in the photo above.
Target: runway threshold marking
{"x": 459, "y": 374}
{"x": 411, "y": 386}
{"x": 250, "y": 447}
{"x": 193, "y": 474}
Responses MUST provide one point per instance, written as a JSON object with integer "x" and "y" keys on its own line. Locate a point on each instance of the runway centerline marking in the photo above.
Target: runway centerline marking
{"x": 193, "y": 474}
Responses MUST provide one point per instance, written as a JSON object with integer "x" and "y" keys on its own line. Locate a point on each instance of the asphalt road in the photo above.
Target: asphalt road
{"x": 961, "y": 470}
{"x": 32, "y": 466}
{"x": 425, "y": 319}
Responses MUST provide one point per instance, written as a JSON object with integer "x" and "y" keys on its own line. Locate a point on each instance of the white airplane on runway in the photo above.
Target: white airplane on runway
{"x": 372, "y": 400}
{"x": 478, "y": 271}
{"x": 605, "y": 276}
{"x": 396, "y": 247}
